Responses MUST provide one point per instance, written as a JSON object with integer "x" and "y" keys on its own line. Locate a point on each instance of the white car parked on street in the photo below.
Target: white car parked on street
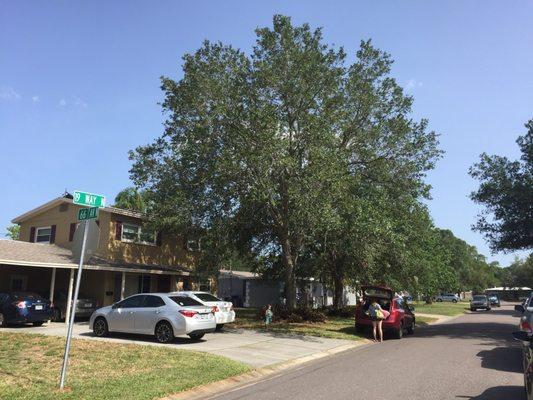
{"x": 447, "y": 297}
{"x": 164, "y": 315}
{"x": 224, "y": 313}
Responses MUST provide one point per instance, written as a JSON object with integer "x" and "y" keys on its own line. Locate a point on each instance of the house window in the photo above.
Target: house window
{"x": 18, "y": 283}
{"x": 43, "y": 235}
{"x": 134, "y": 234}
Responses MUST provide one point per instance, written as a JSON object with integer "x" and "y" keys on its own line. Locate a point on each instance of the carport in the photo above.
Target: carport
{"x": 49, "y": 269}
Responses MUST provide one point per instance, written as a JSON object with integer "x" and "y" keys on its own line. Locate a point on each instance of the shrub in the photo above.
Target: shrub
{"x": 344, "y": 312}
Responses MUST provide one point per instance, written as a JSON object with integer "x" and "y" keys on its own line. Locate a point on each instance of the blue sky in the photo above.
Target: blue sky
{"x": 79, "y": 83}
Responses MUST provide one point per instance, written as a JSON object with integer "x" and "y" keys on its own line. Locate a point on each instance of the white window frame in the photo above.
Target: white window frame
{"x": 37, "y": 234}
{"x": 138, "y": 240}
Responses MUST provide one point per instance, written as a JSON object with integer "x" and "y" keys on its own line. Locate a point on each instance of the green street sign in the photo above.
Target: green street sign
{"x": 88, "y": 199}
{"x": 87, "y": 213}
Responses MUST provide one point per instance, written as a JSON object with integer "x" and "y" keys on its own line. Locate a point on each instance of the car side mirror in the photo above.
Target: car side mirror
{"x": 523, "y": 336}
{"x": 519, "y": 308}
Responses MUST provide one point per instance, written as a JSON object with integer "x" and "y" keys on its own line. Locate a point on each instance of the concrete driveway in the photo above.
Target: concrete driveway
{"x": 257, "y": 349}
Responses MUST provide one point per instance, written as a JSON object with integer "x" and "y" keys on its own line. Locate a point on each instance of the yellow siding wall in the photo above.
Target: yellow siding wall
{"x": 172, "y": 251}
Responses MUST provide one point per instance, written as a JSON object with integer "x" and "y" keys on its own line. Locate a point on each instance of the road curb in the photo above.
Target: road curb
{"x": 248, "y": 378}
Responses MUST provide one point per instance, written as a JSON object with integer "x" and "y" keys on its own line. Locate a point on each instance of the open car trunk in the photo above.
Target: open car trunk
{"x": 382, "y": 294}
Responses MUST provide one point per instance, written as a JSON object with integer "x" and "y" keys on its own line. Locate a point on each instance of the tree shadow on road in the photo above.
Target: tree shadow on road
{"x": 499, "y": 393}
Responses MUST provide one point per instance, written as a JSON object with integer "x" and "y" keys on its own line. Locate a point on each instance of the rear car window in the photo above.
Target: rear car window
{"x": 185, "y": 301}
{"x": 27, "y": 296}
{"x": 206, "y": 297}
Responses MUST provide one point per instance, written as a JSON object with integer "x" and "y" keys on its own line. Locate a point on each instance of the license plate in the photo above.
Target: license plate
{"x": 87, "y": 305}
{"x": 38, "y": 307}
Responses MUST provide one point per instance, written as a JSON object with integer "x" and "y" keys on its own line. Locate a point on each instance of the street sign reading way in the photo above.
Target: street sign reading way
{"x": 82, "y": 248}
{"x": 87, "y": 213}
{"x": 88, "y": 199}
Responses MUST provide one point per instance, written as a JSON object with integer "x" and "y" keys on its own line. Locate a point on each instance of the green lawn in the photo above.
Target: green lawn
{"x": 30, "y": 368}
{"x": 444, "y": 308}
{"x": 334, "y": 327}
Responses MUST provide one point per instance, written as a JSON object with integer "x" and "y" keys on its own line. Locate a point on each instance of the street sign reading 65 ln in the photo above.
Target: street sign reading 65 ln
{"x": 88, "y": 199}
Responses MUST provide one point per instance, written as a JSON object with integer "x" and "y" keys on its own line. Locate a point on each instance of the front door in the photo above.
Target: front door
{"x": 122, "y": 316}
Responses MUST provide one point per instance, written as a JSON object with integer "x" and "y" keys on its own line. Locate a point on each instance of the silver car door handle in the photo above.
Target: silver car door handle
{"x": 131, "y": 312}
{"x": 158, "y": 312}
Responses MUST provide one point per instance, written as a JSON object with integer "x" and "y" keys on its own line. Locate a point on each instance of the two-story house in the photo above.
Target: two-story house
{"x": 129, "y": 258}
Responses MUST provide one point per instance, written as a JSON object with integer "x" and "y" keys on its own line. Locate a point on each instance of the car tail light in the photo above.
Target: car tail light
{"x": 525, "y": 326}
{"x": 188, "y": 313}
{"x": 20, "y": 304}
{"x": 214, "y": 309}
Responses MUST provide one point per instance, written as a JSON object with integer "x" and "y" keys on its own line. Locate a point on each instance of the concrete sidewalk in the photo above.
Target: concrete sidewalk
{"x": 256, "y": 349}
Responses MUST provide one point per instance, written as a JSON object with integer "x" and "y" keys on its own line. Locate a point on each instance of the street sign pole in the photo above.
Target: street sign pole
{"x": 73, "y": 309}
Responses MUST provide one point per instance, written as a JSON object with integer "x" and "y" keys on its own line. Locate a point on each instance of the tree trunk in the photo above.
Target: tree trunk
{"x": 338, "y": 291}
{"x": 288, "y": 261}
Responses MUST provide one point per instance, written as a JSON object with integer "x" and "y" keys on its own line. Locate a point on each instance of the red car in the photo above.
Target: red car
{"x": 401, "y": 316}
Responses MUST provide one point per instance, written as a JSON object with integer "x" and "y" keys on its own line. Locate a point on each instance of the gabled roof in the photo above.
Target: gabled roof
{"x": 59, "y": 200}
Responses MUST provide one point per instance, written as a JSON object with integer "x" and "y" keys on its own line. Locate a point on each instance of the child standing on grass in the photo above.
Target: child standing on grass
{"x": 268, "y": 315}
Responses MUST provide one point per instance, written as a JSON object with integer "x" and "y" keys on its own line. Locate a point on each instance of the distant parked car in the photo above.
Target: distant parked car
{"x": 164, "y": 315}
{"x": 478, "y": 302}
{"x": 223, "y": 310}
{"x": 401, "y": 316}
{"x": 23, "y": 307}
{"x": 494, "y": 300}
{"x": 447, "y": 297}
{"x": 85, "y": 306}
{"x": 527, "y": 351}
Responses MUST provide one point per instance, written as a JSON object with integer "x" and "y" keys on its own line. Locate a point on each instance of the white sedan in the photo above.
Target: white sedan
{"x": 164, "y": 315}
{"x": 224, "y": 313}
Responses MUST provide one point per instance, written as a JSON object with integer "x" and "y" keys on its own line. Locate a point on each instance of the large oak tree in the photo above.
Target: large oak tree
{"x": 277, "y": 143}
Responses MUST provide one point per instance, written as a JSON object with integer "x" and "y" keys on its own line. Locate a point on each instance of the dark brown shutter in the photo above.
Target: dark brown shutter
{"x": 158, "y": 240}
{"x": 32, "y": 234}
{"x": 53, "y": 234}
{"x": 118, "y": 230}
{"x": 72, "y": 231}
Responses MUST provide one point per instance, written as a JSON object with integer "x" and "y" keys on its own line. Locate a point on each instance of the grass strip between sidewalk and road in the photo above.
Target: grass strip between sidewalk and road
{"x": 442, "y": 308}
{"x": 30, "y": 368}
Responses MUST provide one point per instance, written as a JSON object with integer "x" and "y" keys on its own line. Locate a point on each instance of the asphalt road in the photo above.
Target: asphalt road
{"x": 472, "y": 357}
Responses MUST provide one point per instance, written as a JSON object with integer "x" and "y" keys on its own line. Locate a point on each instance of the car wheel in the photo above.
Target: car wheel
{"x": 488, "y": 308}
{"x": 398, "y": 333}
{"x": 56, "y": 315}
{"x": 196, "y": 336}
{"x": 38, "y": 323}
{"x": 411, "y": 329}
{"x": 3, "y": 321}
{"x": 219, "y": 327}
{"x": 359, "y": 328}
{"x": 472, "y": 309}
{"x": 439, "y": 300}
{"x": 454, "y": 301}
{"x": 164, "y": 332}
{"x": 100, "y": 327}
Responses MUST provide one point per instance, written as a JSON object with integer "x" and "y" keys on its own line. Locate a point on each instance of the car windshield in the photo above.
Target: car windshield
{"x": 206, "y": 297}
{"x": 493, "y": 298}
{"x": 479, "y": 298}
{"x": 185, "y": 301}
